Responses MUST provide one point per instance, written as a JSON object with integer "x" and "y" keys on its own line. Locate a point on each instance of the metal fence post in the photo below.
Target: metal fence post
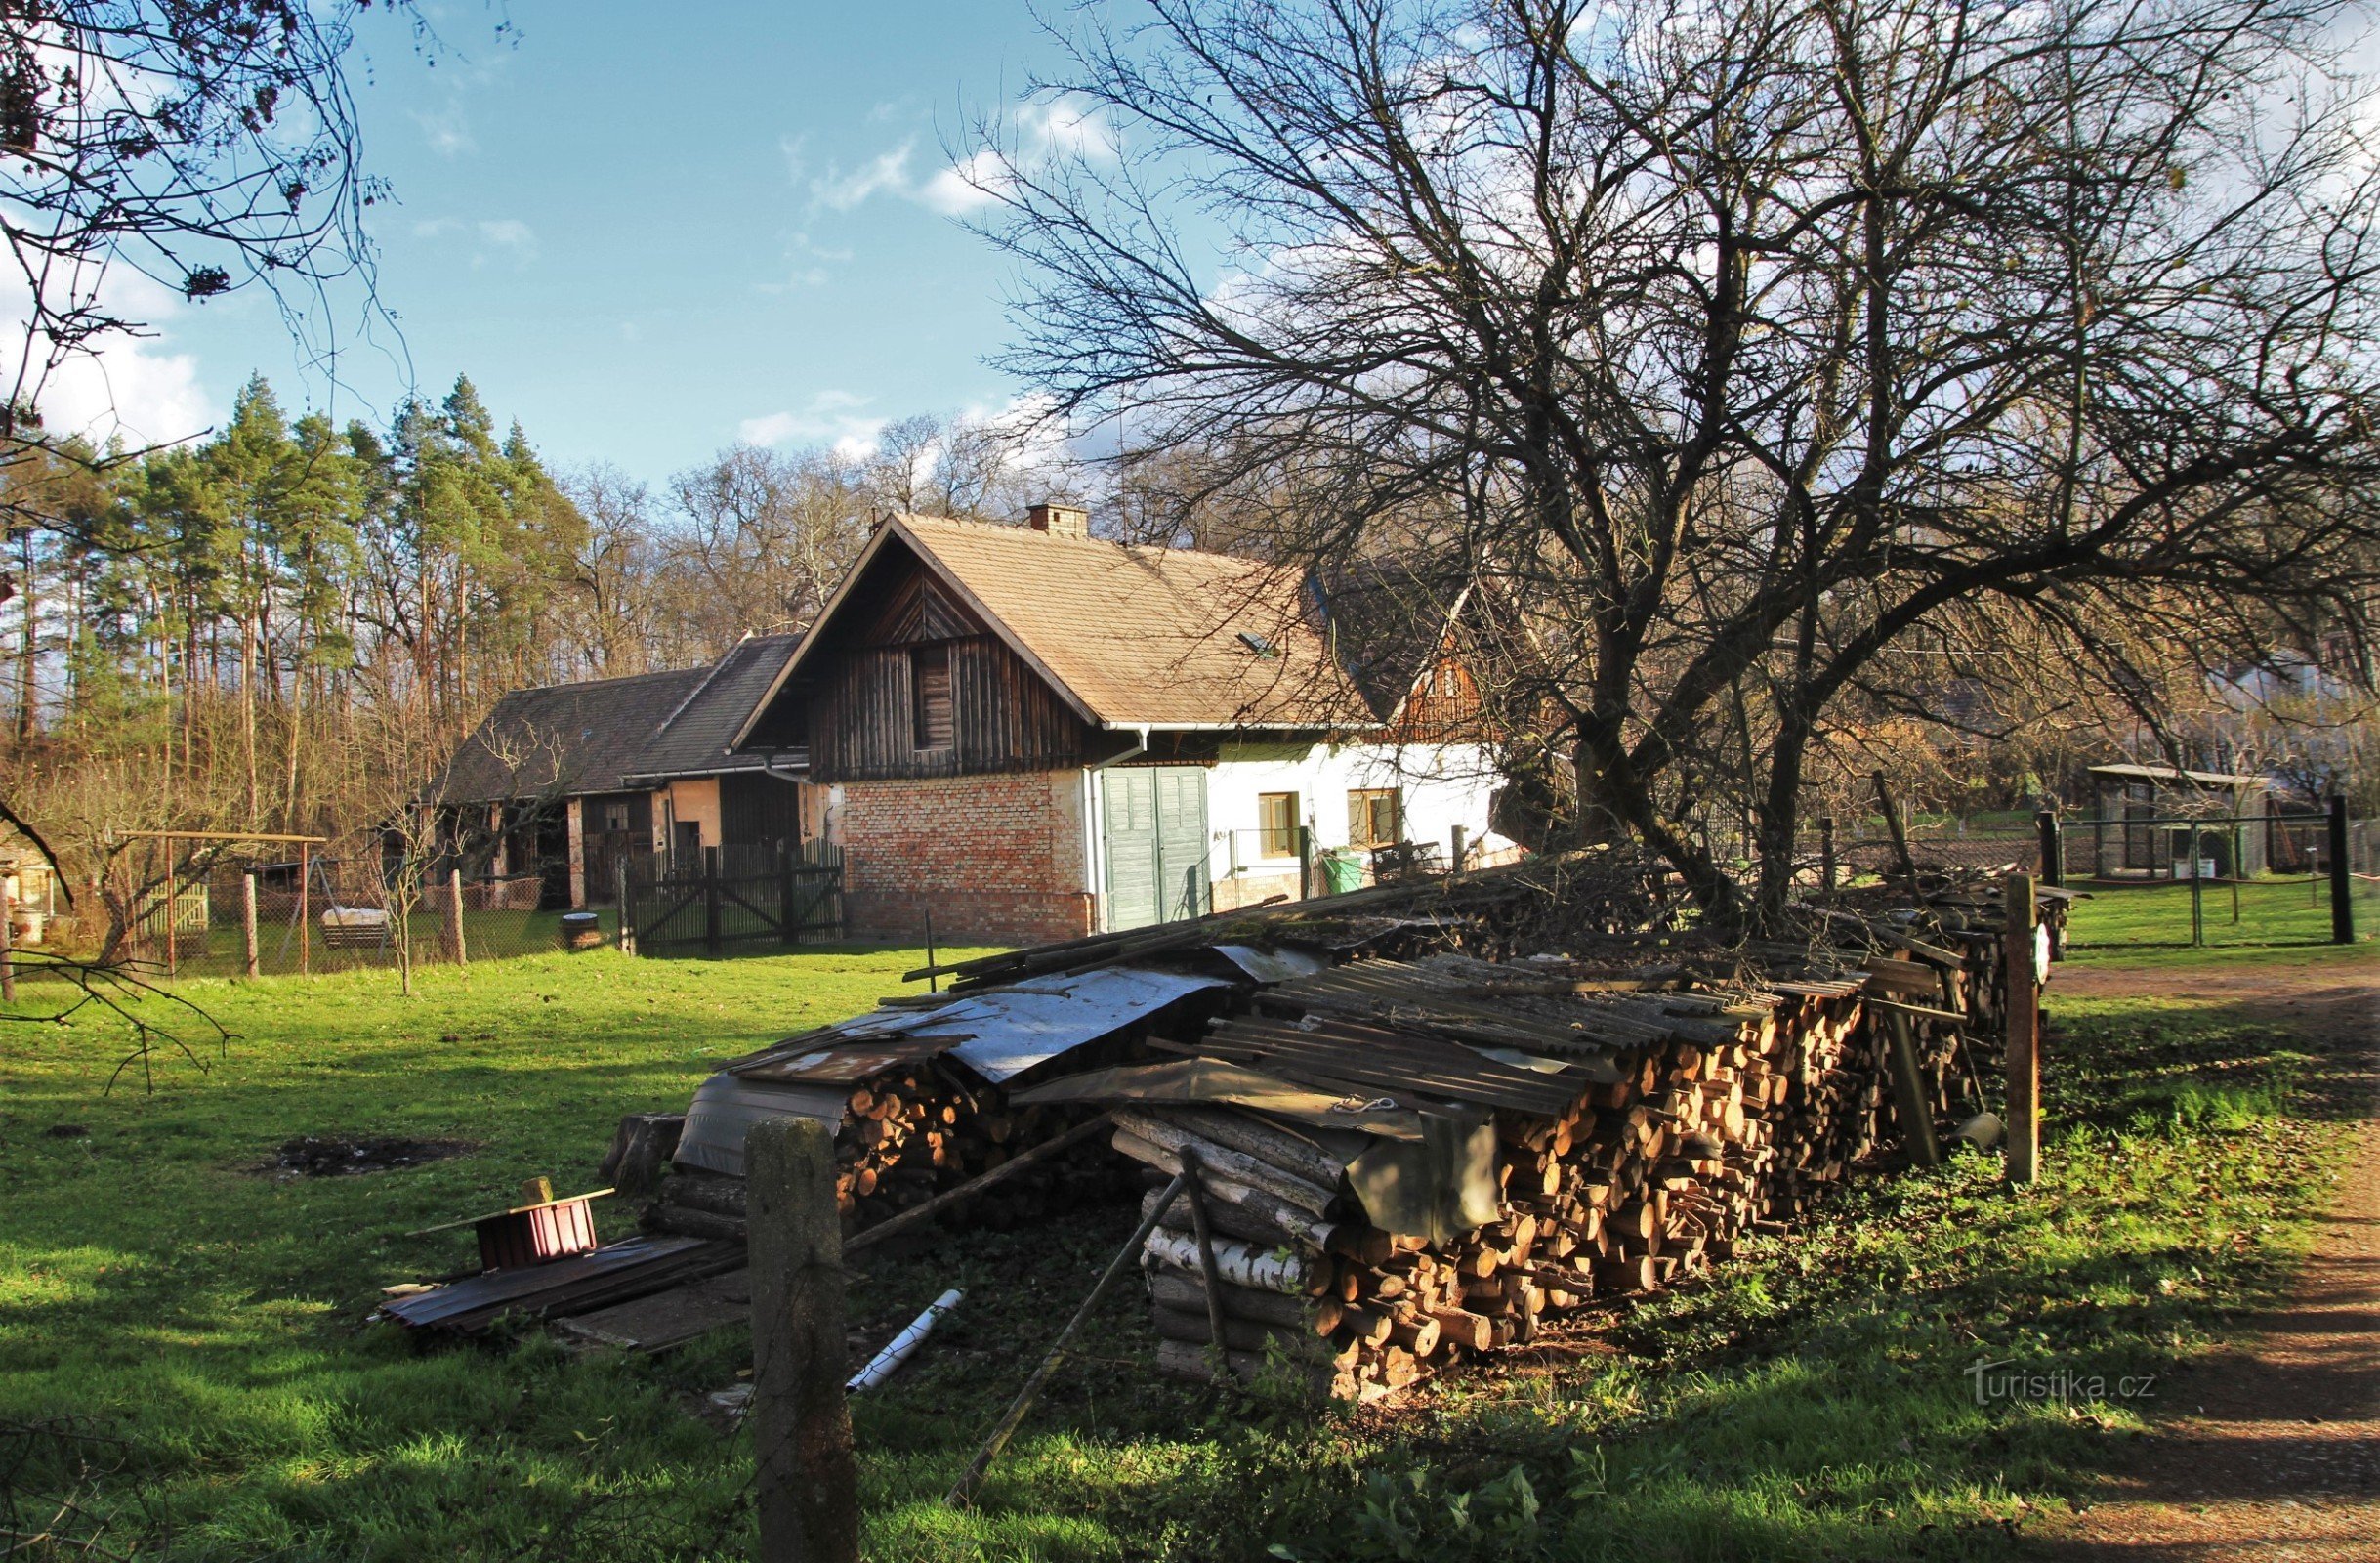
{"x": 1462, "y": 839}
{"x": 247, "y": 923}
{"x": 2342, "y": 877}
{"x": 786, "y": 932}
{"x": 2053, "y": 848}
{"x": 7, "y": 967}
{"x": 1305, "y": 861}
{"x": 1826, "y": 854}
{"x": 710, "y": 868}
{"x": 2021, "y": 1016}
{"x": 807, "y": 1478}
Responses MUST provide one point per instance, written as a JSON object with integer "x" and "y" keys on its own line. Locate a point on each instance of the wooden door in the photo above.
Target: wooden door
{"x": 1153, "y": 826}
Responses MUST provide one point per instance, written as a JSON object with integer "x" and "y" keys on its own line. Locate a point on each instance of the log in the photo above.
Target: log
{"x": 1290, "y": 1221}
{"x": 1243, "y": 1132}
{"x": 1222, "y": 1162}
{"x": 1183, "y": 1292}
{"x": 1279, "y": 1270}
{"x": 1239, "y": 1335}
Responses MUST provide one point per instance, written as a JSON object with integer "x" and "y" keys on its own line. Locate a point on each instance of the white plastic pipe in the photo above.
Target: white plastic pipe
{"x": 886, "y": 1363}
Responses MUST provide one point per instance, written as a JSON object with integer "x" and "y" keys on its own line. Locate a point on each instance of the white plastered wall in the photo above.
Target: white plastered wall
{"x": 1440, "y": 784}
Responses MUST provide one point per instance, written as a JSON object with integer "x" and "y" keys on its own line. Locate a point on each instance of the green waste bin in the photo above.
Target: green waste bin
{"x": 1342, "y": 872}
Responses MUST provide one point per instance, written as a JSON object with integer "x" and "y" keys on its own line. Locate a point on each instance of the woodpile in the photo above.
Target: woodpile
{"x": 904, "y": 1138}
{"x": 1730, "y": 1114}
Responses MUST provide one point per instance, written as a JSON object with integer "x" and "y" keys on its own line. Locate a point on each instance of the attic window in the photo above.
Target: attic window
{"x": 1258, "y": 644}
{"x": 930, "y": 682}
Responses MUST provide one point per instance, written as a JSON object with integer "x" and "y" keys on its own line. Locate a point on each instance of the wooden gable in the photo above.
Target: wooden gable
{"x": 906, "y": 681}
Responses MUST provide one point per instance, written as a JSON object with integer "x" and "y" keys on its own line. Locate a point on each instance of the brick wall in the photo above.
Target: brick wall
{"x": 998, "y": 859}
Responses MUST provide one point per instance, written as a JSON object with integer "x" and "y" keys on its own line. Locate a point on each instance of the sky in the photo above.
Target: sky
{"x": 647, "y": 242}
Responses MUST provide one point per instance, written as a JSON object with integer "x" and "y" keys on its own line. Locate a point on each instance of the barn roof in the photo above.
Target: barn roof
{"x": 612, "y": 734}
{"x": 1131, "y": 636}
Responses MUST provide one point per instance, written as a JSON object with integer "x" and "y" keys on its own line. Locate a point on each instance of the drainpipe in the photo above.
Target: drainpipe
{"x": 1095, "y": 838}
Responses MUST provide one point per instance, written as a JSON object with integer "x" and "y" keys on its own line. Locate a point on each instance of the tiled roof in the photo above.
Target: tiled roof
{"x": 570, "y": 738}
{"x": 1157, "y": 636}
{"x": 695, "y": 741}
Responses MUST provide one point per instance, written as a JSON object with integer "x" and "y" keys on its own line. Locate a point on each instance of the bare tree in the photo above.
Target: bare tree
{"x": 1744, "y": 342}
{"x": 206, "y": 145}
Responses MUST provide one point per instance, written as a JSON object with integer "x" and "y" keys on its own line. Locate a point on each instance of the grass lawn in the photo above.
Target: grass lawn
{"x": 181, "y": 1347}
{"x": 2150, "y": 924}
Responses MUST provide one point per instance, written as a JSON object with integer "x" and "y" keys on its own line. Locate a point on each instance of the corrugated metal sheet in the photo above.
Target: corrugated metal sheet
{"x": 1013, "y": 1029}
{"x": 999, "y": 1035}
{"x": 1274, "y": 965}
{"x": 726, "y": 1107}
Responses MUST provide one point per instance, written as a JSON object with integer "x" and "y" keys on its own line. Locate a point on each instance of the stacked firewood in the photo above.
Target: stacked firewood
{"x": 1733, "y": 1124}
{"x": 905, "y": 1137}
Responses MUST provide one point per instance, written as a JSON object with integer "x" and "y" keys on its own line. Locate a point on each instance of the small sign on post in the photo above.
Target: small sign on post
{"x": 2023, "y": 1015}
{"x": 808, "y": 1483}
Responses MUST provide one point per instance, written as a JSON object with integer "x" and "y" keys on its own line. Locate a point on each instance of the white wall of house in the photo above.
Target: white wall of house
{"x": 1440, "y": 786}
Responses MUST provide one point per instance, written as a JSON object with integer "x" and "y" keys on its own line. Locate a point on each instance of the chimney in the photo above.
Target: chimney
{"x": 1059, "y": 521}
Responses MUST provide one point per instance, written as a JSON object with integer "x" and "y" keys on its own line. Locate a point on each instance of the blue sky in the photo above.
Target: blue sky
{"x": 648, "y": 236}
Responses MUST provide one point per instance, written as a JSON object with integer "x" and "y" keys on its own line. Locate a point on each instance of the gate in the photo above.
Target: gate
{"x": 723, "y": 898}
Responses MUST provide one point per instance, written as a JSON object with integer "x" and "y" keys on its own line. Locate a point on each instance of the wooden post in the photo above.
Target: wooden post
{"x": 247, "y": 924}
{"x": 8, "y": 965}
{"x": 1893, "y": 828}
{"x": 1207, "y": 1273}
{"x": 933, "y": 978}
{"x": 2053, "y": 847}
{"x": 2197, "y": 892}
{"x": 306, "y": 873}
{"x": 1462, "y": 839}
{"x": 1909, "y": 1095}
{"x": 2342, "y": 878}
{"x": 710, "y": 868}
{"x": 2022, "y": 1014}
{"x": 807, "y": 1478}
{"x": 1305, "y": 861}
{"x": 626, "y": 913}
{"x": 1826, "y": 854}
{"x": 454, "y": 918}
{"x": 787, "y": 933}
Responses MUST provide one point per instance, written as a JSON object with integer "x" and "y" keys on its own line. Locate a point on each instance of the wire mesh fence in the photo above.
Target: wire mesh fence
{"x": 249, "y": 918}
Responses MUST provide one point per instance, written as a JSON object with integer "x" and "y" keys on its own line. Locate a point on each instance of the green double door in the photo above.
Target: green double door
{"x": 1153, "y": 824}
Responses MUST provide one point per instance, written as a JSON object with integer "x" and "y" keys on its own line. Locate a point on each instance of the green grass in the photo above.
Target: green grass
{"x": 199, "y": 1324}
{"x": 2150, "y": 924}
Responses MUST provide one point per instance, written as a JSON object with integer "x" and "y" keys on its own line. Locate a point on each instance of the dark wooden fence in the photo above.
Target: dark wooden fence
{"x": 730, "y": 899}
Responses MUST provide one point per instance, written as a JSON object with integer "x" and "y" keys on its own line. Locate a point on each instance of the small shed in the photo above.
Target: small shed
{"x": 2143, "y": 820}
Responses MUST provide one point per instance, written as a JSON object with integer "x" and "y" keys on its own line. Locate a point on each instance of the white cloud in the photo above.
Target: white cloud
{"x": 510, "y": 234}
{"x": 507, "y": 238}
{"x": 840, "y": 190}
{"x": 447, "y": 130}
{"x": 1038, "y": 134}
{"x": 967, "y": 186}
{"x": 135, "y": 388}
{"x": 832, "y": 418}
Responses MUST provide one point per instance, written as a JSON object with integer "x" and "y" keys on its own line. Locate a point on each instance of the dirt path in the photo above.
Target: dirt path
{"x": 2270, "y": 1451}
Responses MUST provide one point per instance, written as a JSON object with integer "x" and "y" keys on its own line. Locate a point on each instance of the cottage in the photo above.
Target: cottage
{"x": 1036, "y": 735}
{"x": 562, "y": 783}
